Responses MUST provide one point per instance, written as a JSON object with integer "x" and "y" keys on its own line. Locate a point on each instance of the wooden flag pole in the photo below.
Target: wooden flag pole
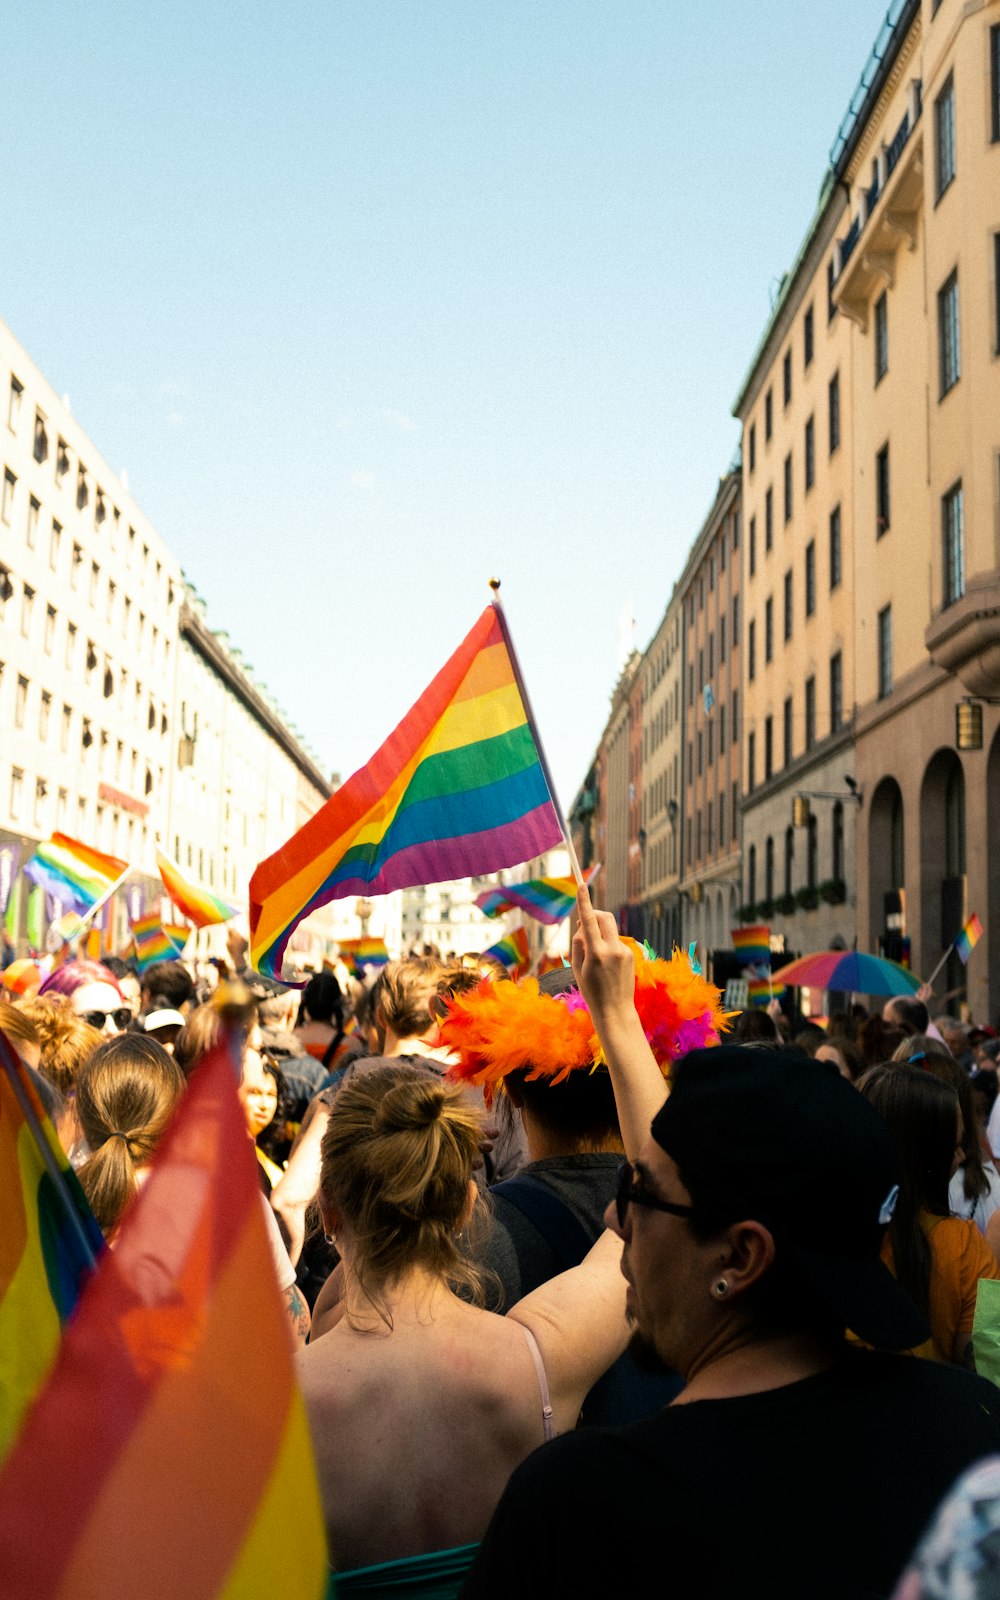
{"x": 543, "y": 759}
{"x": 937, "y": 969}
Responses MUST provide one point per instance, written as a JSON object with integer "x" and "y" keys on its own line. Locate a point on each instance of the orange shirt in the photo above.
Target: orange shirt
{"x": 960, "y": 1256}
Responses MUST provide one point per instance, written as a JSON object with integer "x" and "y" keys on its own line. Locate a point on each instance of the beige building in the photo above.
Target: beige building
{"x": 709, "y": 595}
{"x": 124, "y": 721}
{"x": 662, "y": 762}
{"x": 916, "y": 270}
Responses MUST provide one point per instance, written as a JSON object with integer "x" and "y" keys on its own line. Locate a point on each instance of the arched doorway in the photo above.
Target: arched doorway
{"x": 943, "y": 886}
{"x": 886, "y": 867}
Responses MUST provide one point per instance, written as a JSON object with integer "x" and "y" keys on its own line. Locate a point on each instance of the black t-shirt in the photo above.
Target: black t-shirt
{"x": 517, "y": 1249}
{"x": 816, "y": 1491}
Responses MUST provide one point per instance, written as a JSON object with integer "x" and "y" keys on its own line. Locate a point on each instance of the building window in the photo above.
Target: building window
{"x": 996, "y": 288}
{"x": 736, "y": 534}
{"x": 50, "y": 628}
{"x": 41, "y": 440}
{"x": 953, "y": 534}
{"x": 786, "y": 378}
{"x": 769, "y": 869}
{"x": 881, "y": 336}
{"x": 55, "y": 540}
{"x": 834, "y": 412}
{"x": 810, "y": 577}
{"x": 768, "y": 416}
{"x": 810, "y": 712}
{"x": 76, "y": 566}
{"x": 882, "y": 505}
{"x": 14, "y": 403}
{"x": 16, "y": 792}
{"x": 838, "y": 841}
{"x": 835, "y": 553}
{"x": 722, "y": 732}
{"x": 7, "y": 498}
{"x": 885, "y": 652}
{"x": 82, "y": 488}
{"x": 768, "y": 520}
{"x": 836, "y": 691}
{"x": 810, "y": 453}
{"x": 812, "y": 857}
{"x": 788, "y": 605}
{"x": 736, "y": 620}
{"x": 949, "y": 350}
{"x": 768, "y": 748}
{"x": 64, "y": 728}
{"x": 736, "y": 716}
{"x": 70, "y": 645}
{"x": 20, "y": 702}
{"x": 722, "y": 819}
{"x": 27, "y": 611}
{"x": 31, "y": 531}
{"x": 944, "y": 137}
{"x": 807, "y": 337}
{"x": 752, "y": 446}
{"x": 789, "y": 860}
{"x": 44, "y": 711}
{"x": 768, "y": 628}
{"x": 751, "y": 763}
{"x": 995, "y": 84}
{"x": 701, "y": 751}
{"x": 752, "y": 650}
{"x": 788, "y": 487}
{"x": 753, "y": 520}
{"x": 788, "y": 741}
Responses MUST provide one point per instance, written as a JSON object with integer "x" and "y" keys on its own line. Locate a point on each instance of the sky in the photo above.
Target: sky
{"x": 378, "y": 299}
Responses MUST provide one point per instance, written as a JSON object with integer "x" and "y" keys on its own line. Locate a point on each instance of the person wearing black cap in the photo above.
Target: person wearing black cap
{"x": 791, "y": 1464}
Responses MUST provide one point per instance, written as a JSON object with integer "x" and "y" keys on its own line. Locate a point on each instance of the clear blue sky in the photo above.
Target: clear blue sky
{"x": 375, "y": 298}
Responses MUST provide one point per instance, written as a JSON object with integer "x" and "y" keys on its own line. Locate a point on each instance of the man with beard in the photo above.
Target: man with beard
{"x": 792, "y": 1464}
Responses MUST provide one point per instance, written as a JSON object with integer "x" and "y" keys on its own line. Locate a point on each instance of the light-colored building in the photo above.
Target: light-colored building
{"x": 662, "y": 760}
{"x": 619, "y": 759}
{"x": 709, "y": 597}
{"x": 124, "y": 721}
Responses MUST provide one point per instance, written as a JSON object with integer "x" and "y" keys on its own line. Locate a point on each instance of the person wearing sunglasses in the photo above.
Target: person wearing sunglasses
{"x": 752, "y": 1213}
{"x": 92, "y": 992}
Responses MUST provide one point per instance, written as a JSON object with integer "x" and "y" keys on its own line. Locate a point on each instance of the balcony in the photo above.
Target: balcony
{"x": 887, "y": 216}
{"x": 965, "y": 637}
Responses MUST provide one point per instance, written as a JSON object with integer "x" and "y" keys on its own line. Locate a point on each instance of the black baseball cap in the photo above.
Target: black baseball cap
{"x": 790, "y": 1143}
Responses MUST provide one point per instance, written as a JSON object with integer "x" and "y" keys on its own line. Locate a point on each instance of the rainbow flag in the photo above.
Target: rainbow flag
{"x": 512, "y": 951}
{"x": 363, "y": 952}
{"x": 192, "y": 900}
{"x": 48, "y": 1244}
{"x": 969, "y": 937}
{"x": 73, "y": 872}
{"x": 153, "y": 1461}
{"x": 753, "y": 945}
{"x": 153, "y": 943}
{"x": 546, "y": 899}
{"x": 457, "y": 790}
{"x": 760, "y": 991}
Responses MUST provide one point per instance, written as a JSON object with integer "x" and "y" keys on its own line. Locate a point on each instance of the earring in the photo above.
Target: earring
{"x": 720, "y": 1288}
{"x": 331, "y": 1238}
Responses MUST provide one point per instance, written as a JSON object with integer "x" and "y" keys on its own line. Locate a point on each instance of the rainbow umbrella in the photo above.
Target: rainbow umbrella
{"x": 853, "y": 971}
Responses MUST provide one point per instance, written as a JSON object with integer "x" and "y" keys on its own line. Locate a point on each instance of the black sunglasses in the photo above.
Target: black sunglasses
{"x": 121, "y": 1018}
{"x": 630, "y": 1190}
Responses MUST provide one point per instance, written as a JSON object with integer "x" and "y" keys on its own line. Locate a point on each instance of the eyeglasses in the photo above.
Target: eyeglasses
{"x": 630, "y": 1190}
{"x": 121, "y": 1018}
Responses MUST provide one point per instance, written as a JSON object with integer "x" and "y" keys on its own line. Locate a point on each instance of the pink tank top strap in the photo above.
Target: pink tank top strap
{"x": 548, "y": 1425}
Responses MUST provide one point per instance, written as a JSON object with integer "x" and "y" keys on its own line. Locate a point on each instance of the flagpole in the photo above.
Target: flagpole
{"x": 533, "y": 725}
{"x": 52, "y": 1167}
{"x": 937, "y": 969}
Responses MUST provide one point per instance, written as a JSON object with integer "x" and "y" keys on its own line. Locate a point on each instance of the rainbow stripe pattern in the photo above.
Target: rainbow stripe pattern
{"x": 753, "y": 945}
{"x": 72, "y": 872}
{"x": 546, "y": 899}
{"x": 968, "y": 938}
{"x": 456, "y": 790}
{"x": 46, "y": 1253}
{"x": 360, "y": 953}
{"x": 155, "y": 1459}
{"x": 193, "y": 900}
{"x": 760, "y": 991}
{"x": 153, "y": 943}
{"x": 513, "y": 951}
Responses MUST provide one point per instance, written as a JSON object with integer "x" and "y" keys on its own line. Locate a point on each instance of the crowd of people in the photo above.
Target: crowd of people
{"x": 586, "y": 1280}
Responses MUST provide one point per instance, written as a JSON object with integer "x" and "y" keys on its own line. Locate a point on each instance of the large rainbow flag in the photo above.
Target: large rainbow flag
{"x": 48, "y": 1240}
{"x": 72, "y": 872}
{"x": 513, "y": 951}
{"x": 753, "y": 945}
{"x": 167, "y": 1456}
{"x": 193, "y": 900}
{"x": 545, "y": 899}
{"x": 457, "y": 790}
{"x": 153, "y": 943}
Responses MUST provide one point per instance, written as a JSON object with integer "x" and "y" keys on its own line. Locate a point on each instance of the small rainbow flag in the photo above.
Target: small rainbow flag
{"x": 457, "y": 790}
{"x": 46, "y": 1250}
{"x": 546, "y": 899}
{"x": 146, "y": 1464}
{"x": 513, "y": 951}
{"x": 71, "y": 871}
{"x": 153, "y": 943}
{"x": 363, "y": 952}
{"x": 968, "y": 938}
{"x": 753, "y": 945}
{"x": 760, "y": 991}
{"x": 192, "y": 900}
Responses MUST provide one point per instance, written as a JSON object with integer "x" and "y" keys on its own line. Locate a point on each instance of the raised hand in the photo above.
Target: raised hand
{"x": 602, "y": 963}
